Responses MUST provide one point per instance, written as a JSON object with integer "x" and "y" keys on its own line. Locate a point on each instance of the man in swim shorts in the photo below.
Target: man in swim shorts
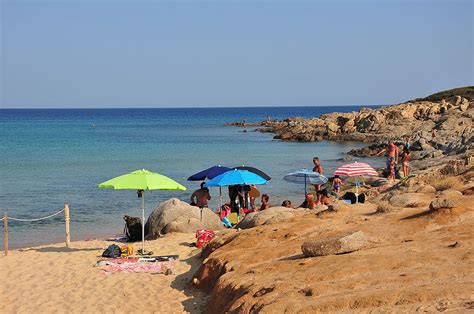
{"x": 201, "y": 197}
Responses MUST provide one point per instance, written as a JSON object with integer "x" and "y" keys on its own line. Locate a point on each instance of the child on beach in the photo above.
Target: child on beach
{"x": 265, "y": 204}
{"x": 406, "y": 162}
{"x": 224, "y": 212}
{"x": 336, "y": 184}
{"x": 287, "y": 204}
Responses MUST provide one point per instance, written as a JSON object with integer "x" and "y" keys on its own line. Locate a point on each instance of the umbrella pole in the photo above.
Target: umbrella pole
{"x": 220, "y": 198}
{"x": 143, "y": 222}
{"x": 357, "y": 191}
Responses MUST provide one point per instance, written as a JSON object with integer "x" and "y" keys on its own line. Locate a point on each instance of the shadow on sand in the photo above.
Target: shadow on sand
{"x": 422, "y": 214}
{"x": 60, "y": 249}
{"x": 197, "y": 299}
{"x": 292, "y": 258}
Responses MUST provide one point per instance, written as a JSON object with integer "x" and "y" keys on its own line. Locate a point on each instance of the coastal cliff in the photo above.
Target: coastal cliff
{"x": 449, "y": 113}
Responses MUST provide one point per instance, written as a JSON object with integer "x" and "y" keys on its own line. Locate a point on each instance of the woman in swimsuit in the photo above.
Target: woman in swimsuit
{"x": 406, "y": 162}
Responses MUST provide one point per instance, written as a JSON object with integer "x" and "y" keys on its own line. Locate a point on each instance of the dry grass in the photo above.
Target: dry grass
{"x": 453, "y": 183}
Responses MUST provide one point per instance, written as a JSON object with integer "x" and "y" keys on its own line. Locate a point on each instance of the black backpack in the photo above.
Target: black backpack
{"x": 133, "y": 228}
{"x": 112, "y": 251}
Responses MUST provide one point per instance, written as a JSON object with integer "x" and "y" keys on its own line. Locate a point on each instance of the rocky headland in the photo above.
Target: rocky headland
{"x": 450, "y": 114}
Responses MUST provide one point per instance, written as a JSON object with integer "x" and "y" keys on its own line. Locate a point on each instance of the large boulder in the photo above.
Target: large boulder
{"x": 267, "y": 216}
{"x": 174, "y": 215}
{"x": 335, "y": 245}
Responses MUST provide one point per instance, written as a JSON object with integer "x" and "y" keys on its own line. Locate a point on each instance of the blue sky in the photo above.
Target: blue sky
{"x": 88, "y": 53}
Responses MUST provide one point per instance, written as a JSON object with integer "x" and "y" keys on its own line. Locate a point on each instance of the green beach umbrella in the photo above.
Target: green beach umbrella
{"x": 142, "y": 180}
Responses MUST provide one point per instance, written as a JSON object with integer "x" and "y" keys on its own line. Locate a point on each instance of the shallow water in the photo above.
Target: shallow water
{"x": 49, "y": 157}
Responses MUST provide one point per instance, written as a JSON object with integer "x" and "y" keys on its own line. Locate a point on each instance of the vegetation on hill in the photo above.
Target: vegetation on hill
{"x": 466, "y": 92}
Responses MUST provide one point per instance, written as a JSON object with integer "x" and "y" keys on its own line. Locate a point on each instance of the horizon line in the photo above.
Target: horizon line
{"x": 204, "y": 107}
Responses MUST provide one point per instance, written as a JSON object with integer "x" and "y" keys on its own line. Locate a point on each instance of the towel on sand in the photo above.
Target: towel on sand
{"x": 135, "y": 267}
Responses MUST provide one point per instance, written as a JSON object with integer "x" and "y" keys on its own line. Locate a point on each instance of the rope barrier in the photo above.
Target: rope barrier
{"x": 5, "y": 219}
{"x": 34, "y": 219}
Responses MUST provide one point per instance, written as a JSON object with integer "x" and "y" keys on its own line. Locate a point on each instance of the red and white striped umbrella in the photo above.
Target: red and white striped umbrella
{"x": 356, "y": 169}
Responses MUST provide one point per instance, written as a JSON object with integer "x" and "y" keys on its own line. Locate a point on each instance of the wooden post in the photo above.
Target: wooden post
{"x": 5, "y": 232}
{"x": 66, "y": 219}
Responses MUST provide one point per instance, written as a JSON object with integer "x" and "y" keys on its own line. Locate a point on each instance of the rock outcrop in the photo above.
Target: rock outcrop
{"x": 174, "y": 215}
{"x": 265, "y": 217}
{"x": 451, "y": 118}
{"x": 410, "y": 200}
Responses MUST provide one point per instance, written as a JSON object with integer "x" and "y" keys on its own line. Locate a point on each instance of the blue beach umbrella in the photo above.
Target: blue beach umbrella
{"x": 306, "y": 177}
{"x": 256, "y": 171}
{"x": 236, "y": 177}
{"x": 209, "y": 173}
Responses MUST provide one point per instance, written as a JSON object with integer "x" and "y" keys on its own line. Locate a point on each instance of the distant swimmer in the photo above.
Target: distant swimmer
{"x": 92, "y": 125}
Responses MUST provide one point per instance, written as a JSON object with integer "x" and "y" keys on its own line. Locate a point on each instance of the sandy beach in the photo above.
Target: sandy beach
{"x": 52, "y": 278}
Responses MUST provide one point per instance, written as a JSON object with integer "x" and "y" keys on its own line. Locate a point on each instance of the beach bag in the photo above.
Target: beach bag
{"x": 350, "y": 196}
{"x": 112, "y": 251}
{"x": 133, "y": 228}
{"x": 203, "y": 237}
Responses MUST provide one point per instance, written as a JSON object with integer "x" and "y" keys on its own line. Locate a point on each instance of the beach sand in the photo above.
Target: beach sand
{"x": 53, "y": 278}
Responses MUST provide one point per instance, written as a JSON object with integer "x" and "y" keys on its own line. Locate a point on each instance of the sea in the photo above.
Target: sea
{"x": 52, "y": 156}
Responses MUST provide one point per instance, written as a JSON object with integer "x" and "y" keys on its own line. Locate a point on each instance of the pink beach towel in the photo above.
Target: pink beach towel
{"x": 127, "y": 267}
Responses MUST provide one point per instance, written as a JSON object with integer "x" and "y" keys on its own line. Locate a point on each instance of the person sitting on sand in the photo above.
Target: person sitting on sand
{"x": 224, "y": 212}
{"x": 265, "y": 204}
{"x": 406, "y": 161}
{"x": 324, "y": 198}
{"x": 287, "y": 204}
{"x": 308, "y": 202}
{"x": 336, "y": 184}
{"x": 201, "y": 197}
{"x": 317, "y": 168}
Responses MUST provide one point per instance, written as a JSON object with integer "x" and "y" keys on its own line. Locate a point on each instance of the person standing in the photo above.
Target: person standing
{"x": 406, "y": 162}
{"x": 391, "y": 171}
{"x": 336, "y": 184}
{"x": 392, "y": 154}
{"x": 201, "y": 197}
{"x": 317, "y": 168}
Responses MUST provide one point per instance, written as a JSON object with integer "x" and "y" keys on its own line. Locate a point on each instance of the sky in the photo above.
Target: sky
{"x": 104, "y": 53}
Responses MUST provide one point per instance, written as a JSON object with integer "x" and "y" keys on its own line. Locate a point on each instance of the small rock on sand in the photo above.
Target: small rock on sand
{"x": 439, "y": 203}
{"x": 335, "y": 245}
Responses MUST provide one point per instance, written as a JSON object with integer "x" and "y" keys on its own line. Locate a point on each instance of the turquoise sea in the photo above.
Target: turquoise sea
{"x": 52, "y": 156}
